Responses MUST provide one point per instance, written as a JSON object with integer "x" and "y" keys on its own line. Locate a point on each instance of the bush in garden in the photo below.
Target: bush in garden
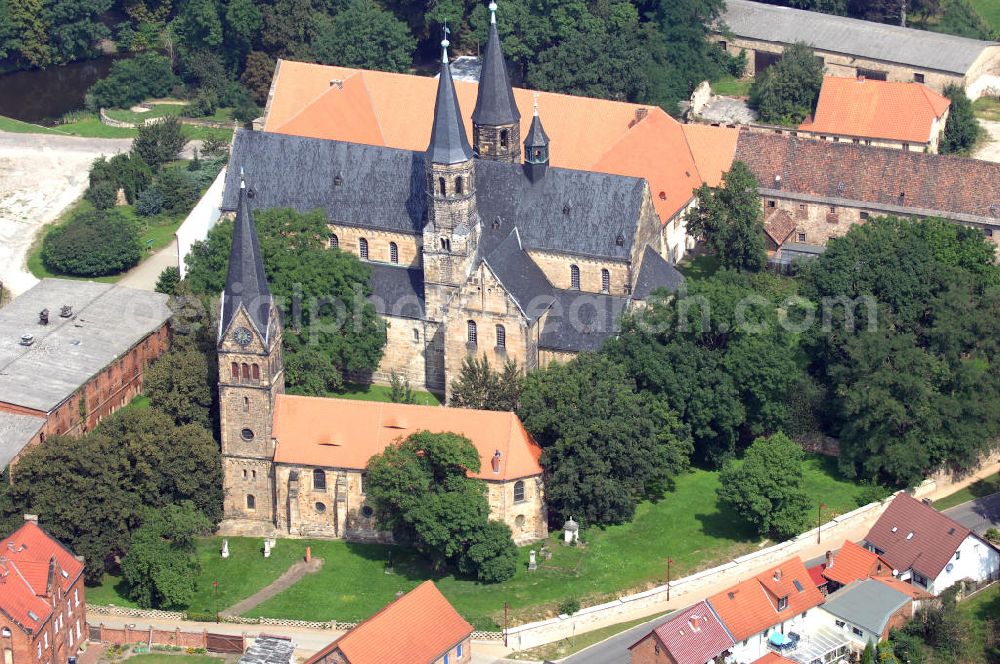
{"x": 93, "y": 244}
{"x": 149, "y": 203}
{"x": 103, "y": 194}
{"x": 178, "y": 188}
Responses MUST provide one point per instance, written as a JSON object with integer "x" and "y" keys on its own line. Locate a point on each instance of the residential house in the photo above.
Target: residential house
{"x": 887, "y": 114}
{"x": 693, "y": 636}
{"x": 43, "y": 611}
{"x": 928, "y": 549}
{"x": 774, "y": 658}
{"x": 852, "y": 563}
{"x": 421, "y": 627}
{"x": 867, "y": 609}
{"x": 851, "y": 47}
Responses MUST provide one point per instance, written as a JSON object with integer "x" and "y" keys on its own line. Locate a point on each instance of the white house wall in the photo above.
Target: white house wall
{"x": 974, "y": 559}
{"x": 756, "y": 646}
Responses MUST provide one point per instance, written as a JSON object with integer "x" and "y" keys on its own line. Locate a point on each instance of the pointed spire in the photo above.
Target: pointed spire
{"x": 536, "y": 138}
{"x": 246, "y": 282}
{"x": 495, "y": 105}
{"x": 449, "y": 144}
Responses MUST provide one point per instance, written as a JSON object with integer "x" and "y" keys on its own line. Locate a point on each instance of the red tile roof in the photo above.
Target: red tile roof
{"x": 888, "y": 110}
{"x": 855, "y": 562}
{"x": 694, "y": 636}
{"x": 915, "y": 535}
{"x": 929, "y": 183}
{"x": 342, "y": 433}
{"x": 26, "y": 557}
{"x": 904, "y": 587}
{"x": 816, "y": 574}
{"x": 774, "y": 658}
{"x": 418, "y": 628}
{"x": 751, "y": 606}
{"x": 778, "y": 225}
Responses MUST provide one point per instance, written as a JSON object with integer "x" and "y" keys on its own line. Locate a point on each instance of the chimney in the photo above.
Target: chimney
{"x": 495, "y": 462}
{"x": 31, "y": 518}
{"x": 43, "y": 317}
{"x": 640, "y": 114}
{"x": 777, "y": 182}
{"x": 66, "y": 311}
{"x": 337, "y": 83}
{"x": 777, "y": 575}
{"x": 829, "y": 558}
{"x": 695, "y": 623}
{"x": 27, "y": 339}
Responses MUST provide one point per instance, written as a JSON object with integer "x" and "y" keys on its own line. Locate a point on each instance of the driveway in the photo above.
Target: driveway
{"x": 990, "y": 150}
{"x": 979, "y": 514}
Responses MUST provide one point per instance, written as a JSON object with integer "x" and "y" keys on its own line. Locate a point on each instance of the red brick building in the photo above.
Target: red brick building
{"x": 693, "y": 636}
{"x": 71, "y": 353}
{"x": 42, "y": 605}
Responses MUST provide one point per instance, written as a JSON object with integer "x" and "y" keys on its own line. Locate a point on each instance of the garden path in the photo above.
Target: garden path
{"x": 291, "y": 576}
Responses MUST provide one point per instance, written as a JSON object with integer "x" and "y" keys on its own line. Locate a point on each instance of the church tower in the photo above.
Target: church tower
{"x": 496, "y": 122}
{"x": 452, "y": 231}
{"x": 536, "y": 148}
{"x": 251, "y": 375}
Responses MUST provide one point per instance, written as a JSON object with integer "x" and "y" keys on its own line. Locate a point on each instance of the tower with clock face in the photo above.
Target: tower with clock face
{"x": 251, "y": 375}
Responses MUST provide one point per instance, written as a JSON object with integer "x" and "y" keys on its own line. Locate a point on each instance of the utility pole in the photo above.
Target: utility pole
{"x": 506, "y": 610}
{"x": 669, "y": 563}
{"x": 902, "y": 13}
{"x": 215, "y": 599}
{"x": 819, "y": 523}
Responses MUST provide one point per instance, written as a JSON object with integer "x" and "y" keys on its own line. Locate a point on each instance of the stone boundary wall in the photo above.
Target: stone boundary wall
{"x": 197, "y": 122}
{"x": 160, "y": 637}
{"x": 129, "y": 612}
{"x": 200, "y": 220}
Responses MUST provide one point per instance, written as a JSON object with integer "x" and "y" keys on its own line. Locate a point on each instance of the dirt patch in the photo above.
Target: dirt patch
{"x": 989, "y": 150}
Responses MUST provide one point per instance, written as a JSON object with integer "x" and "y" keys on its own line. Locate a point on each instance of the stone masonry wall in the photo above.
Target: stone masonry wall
{"x": 527, "y": 518}
{"x": 409, "y": 344}
{"x": 378, "y": 244}
{"x": 487, "y": 143}
{"x": 557, "y": 270}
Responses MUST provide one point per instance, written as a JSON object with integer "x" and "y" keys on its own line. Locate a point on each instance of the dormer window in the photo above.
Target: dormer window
{"x": 782, "y": 603}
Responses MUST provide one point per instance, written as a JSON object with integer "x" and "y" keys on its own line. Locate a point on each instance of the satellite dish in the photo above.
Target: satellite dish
{"x": 949, "y": 567}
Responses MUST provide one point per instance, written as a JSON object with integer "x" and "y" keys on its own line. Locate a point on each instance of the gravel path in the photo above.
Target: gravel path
{"x": 990, "y": 150}
{"x": 289, "y": 578}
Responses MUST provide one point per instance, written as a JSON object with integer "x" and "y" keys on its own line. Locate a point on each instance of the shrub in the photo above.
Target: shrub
{"x": 150, "y": 202}
{"x": 132, "y": 174}
{"x": 132, "y": 80}
{"x": 569, "y": 606}
{"x": 103, "y": 194}
{"x": 213, "y": 146}
{"x": 786, "y": 92}
{"x": 491, "y": 554}
{"x": 169, "y": 278}
{"x": 204, "y": 104}
{"x": 160, "y": 142}
{"x": 93, "y": 244}
{"x": 178, "y": 188}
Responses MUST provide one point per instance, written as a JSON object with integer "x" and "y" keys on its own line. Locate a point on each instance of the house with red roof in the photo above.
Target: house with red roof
{"x": 693, "y": 636}
{"x": 421, "y": 627}
{"x": 928, "y": 549}
{"x": 853, "y": 563}
{"x": 42, "y": 605}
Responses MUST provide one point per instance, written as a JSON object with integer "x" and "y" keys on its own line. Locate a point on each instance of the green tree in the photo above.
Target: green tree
{"x": 178, "y": 384}
{"x": 243, "y": 23}
{"x": 868, "y": 654}
{"x": 258, "y": 69}
{"x": 160, "y": 142}
{"x": 167, "y": 282}
{"x": 480, "y": 386}
{"x": 962, "y": 129}
{"x": 731, "y": 220}
{"x": 605, "y": 445}
{"x": 160, "y": 567}
{"x": 400, "y": 390}
{"x": 92, "y": 244}
{"x": 365, "y": 36}
{"x": 765, "y": 487}
{"x": 75, "y": 28}
{"x": 29, "y": 38}
{"x": 199, "y": 24}
{"x": 786, "y": 92}
{"x": 330, "y": 328}
{"x": 959, "y": 17}
{"x": 491, "y": 555}
{"x": 131, "y": 81}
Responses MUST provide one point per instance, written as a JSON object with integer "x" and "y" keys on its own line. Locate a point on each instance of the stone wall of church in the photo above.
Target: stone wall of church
{"x": 527, "y": 516}
{"x": 243, "y": 478}
{"x": 557, "y": 270}
{"x": 415, "y": 351}
{"x": 349, "y": 240}
{"x": 648, "y": 230}
{"x": 547, "y": 356}
{"x": 498, "y": 143}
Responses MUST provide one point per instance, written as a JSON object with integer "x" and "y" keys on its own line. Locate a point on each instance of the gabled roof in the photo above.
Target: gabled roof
{"x": 449, "y": 143}
{"x": 402, "y": 107}
{"x": 751, "y": 606}
{"x": 916, "y": 536}
{"x": 778, "y": 225}
{"x": 30, "y": 555}
{"x": 889, "y": 180}
{"x": 904, "y": 587}
{"x": 694, "y": 636}
{"x": 418, "y": 628}
{"x": 521, "y": 276}
{"x": 868, "y": 108}
{"x": 839, "y": 34}
{"x": 774, "y": 658}
{"x": 655, "y": 272}
{"x": 866, "y": 603}
{"x": 853, "y": 562}
{"x": 341, "y": 433}
{"x": 246, "y": 284}
{"x": 713, "y": 149}
{"x": 816, "y": 574}
{"x": 495, "y": 103}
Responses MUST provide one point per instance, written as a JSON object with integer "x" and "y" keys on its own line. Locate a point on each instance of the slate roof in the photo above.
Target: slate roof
{"x": 839, "y": 34}
{"x": 893, "y": 181}
{"x": 655, "y": 272}
{"x": 107, "y": 321}
{"x": 16, "y": 431}
{"x": 694, "y": 636}
{"x": 269, "y": 650}
{"x": 449, "y": 144}
{"x": 536, "y": 137}
{"x": 495, "y": 103}
{"x": 521, "y": 276}
{"x": 866, "y": 603}
{"x": 580, "y": 321}
{"x": 246, "y": 284}
{"x": 914, "y": 535}
{"x": 567, "y": 211}
{"x": 397, "y": 291}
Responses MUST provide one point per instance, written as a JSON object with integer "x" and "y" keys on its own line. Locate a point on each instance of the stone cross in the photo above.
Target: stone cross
{"x": 225, "y": 548}
{"x": 532, "y": 563}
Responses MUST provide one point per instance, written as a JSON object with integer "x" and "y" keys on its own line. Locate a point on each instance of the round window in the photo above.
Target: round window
{"x": 247, "y": 434}
{"x": 320, "y": 507}
{"x": 367, "y": 512}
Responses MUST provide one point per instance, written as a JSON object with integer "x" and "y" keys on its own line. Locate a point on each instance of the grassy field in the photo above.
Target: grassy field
{"x": 700, "y": 267}
{"x": 730, "y": 86}
{"x": 17, "y": 127}
{"x": 90, "y": 126}
{"x": 164, "y": 110}
{"x": 987, "y": 108}
{"x": 687, "y": 525}
{"x": 381, "y": 393}
{"x": 984, "y": 487}
{"x": 990, "y": 11}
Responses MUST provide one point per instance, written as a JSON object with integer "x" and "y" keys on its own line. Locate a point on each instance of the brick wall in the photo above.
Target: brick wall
{"x": 134, "y": 634}
{"x": 55, "y": 640}
{"x": 649, "y": 651}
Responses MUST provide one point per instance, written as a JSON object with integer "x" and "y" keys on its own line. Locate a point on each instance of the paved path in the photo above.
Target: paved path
{"x": 979, "y": 514}
{"x": 290, "y": 577}
{"x": 144, "y": 275}
{"x": 990, "y": 150}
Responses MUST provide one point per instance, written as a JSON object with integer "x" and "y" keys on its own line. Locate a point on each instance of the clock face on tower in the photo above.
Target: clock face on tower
{"x": 242, "y": 336}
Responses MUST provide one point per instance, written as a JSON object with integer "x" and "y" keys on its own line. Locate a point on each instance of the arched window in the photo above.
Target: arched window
{"x": 574, "y": 277}
{"x": 256, "y": 372}
{"x": 246, "y": 404}
{"x": 319, "y": 480}
{"x": 246, "y": 371}
{"x": 446, "y": 244}
{"x": 363, "y": 248}
{"x": 459, "y": 185}
{"x": 504, "y": 138}
{"x": 253, "y": 474}
{"x": 333, "y": 241}
{"x": 251, "y": 502}
{"x": 441, "y": 186}
{"x": 605, "y": 281}
{"x": 393, "y": 253}
{"x": 519, "y": 491}
{"x": 235, "y": 369}
{"x": 501, "y": 337}
{"x": 244, "y": 473}
{"x": 471, "y": 332}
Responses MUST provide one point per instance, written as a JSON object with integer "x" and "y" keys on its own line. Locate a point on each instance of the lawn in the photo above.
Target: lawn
{"x": 990, "y": 11}
{"x": 730, "y": 86}
{"x": 164, "y": 110}
{"x": 90, "y": 126}
{"x": 381, "y": 393}
{"x": 687, "y": 525}
{"x": 18, "y": 127}
{"x": 984, "y": 487}
{"x": 987, "y": 108}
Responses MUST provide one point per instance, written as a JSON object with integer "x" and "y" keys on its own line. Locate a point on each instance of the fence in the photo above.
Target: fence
{"x": 221, "y": 643}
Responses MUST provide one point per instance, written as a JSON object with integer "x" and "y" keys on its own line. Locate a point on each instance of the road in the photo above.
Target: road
{"x": 979, "y": 514}
{"x": 615, "y": 649}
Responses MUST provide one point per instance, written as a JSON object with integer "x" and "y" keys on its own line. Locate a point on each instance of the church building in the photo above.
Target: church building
{"x": 476, "y": 249}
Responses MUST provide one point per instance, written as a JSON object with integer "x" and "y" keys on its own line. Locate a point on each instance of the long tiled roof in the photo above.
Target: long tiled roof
{"x": 889, "y": 180}
{"x": 418, "y": 628}
{"x": 694, "y": 636}
{"x": 839, "y": 34}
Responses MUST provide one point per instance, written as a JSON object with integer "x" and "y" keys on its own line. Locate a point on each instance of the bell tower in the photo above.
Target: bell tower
{"x": 251, "y": 375}
{"x": 536, "y": 148}
{"x": 451, "y": 235}
{"x": 496, "y": 122}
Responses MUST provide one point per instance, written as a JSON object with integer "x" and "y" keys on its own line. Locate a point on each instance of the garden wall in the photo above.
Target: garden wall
{"x": 198, "y": 222}
{"x": 162, "y": 637}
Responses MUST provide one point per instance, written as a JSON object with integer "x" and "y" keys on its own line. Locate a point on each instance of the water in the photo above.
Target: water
{"x": 41, "y": 96}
